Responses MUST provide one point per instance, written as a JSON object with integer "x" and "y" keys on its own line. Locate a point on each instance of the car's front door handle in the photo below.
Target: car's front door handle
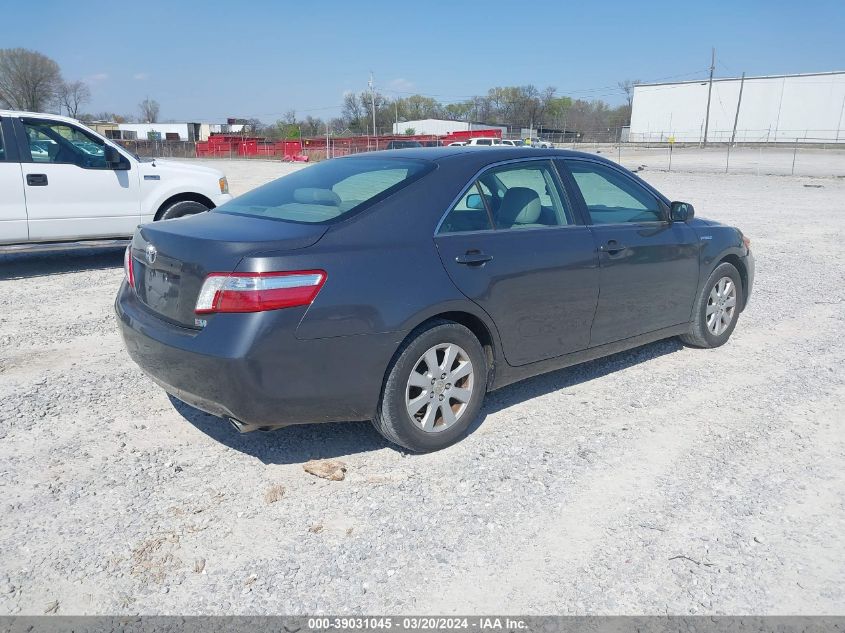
{"x": 612, "y": 247}
{"x": 36, "y": 180}
{"x": 473, "y": 258}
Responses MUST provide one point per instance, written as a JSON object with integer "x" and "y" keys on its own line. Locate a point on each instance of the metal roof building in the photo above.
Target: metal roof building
{"x": 173, "y": 131}
{"x": 779, "y": 108}
{"x": 441, "y": 127}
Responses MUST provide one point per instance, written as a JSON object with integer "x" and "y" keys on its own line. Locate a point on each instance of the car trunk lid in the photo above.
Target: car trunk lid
{"x": 171, "y": 259}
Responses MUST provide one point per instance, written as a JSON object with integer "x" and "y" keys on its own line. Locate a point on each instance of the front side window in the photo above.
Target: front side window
{"x": 328, "y": 190}
{"x": 56, "y": 142}
{"x": 611, "y": 198}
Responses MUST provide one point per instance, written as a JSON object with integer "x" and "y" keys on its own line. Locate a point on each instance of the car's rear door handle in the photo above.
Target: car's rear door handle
{"x": 612, "y": 247}
{"x": 36, "y": 180}
{"x": 473, "y": 258}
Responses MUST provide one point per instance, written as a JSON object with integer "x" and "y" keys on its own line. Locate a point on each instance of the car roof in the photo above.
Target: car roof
{"x": 479, "y": 155}
{"x": 37, "y": 115}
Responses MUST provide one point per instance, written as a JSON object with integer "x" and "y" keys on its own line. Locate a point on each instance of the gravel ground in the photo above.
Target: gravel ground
{"x": 779, "y": 160}
{"x": 660, "y": 480}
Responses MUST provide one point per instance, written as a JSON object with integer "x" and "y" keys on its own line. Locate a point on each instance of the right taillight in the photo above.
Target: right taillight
{"x": 747, "y": 243}
{"x": 256, "y": 292}
{"x": 128, "y": 268}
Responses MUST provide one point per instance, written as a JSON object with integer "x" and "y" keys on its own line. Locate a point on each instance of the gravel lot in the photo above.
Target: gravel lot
{"x": 771, "y": 160}
{"x": 661, "y": 480}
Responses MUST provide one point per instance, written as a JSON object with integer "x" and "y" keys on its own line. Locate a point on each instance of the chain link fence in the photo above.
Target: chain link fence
{"x": 803, "y": 156}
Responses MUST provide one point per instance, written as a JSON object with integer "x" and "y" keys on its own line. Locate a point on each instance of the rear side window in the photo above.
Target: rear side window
{"x": 328, "y": 190}
{"x": 469, "y": 214}
{"x": 523, "y": 195}
{"x": 2, "y": 147}
{"x": 611, "y": 198}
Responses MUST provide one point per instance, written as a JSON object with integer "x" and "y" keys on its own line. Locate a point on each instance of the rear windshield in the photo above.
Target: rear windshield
{"x": 328, "y": 190}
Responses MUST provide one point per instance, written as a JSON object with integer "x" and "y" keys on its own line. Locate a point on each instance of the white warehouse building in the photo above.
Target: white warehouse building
{"x": 779, "y": 108}
{"x": 172, "y": 131}
{"x": 442, "y": 127}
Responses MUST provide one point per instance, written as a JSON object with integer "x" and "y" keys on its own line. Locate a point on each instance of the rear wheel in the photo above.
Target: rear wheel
{"x": 716, "y": 309}
{"x": 181, "y": 209}
{"x": 434, "y": 388}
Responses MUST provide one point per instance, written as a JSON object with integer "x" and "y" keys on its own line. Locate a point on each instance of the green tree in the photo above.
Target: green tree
{"x": 418, "y": 107}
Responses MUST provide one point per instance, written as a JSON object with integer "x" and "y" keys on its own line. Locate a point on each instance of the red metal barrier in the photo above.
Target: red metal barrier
{"x": 219, "y": 145}
{"x": 222, "y": 145}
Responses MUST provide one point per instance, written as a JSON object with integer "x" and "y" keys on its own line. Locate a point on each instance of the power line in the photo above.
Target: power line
{"x": 593, "y": 93}
{"x": 613, "y": 90}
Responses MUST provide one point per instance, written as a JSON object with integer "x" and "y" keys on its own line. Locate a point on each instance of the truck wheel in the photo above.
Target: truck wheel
{"x": 716, "y": 309}
{"x": 434, "y": 388}
{"x": 181, "y": 209}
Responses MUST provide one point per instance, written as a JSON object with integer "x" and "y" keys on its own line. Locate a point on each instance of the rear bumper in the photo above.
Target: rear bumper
{"x": 251, "y": 367}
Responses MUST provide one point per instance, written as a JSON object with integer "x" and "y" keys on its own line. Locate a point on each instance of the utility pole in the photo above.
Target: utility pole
{"x": 709, "y": 91}
{"x": 738, "y": 103}
{"x": 373, "y": 103}
{"x": 396, "y": 110}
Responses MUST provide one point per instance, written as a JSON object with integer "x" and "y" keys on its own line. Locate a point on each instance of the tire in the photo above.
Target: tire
{"x": 704, "y": 331}
{"x": 393, "y": 419}
{"x": 181, "y": 209}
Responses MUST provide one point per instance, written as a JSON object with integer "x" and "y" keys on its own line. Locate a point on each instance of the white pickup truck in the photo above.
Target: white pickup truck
{"x": 62, "y": 184}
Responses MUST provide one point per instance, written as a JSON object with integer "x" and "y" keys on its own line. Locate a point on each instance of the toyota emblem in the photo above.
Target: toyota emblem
{"x": 151, "y": 253}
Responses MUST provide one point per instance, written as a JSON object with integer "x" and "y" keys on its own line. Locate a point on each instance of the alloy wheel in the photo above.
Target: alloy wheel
{"x": 440, "y": 387}
{"x": 721, "y": 306}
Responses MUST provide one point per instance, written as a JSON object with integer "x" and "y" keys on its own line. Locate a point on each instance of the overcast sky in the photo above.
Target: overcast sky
{"x": 208, "y": 60}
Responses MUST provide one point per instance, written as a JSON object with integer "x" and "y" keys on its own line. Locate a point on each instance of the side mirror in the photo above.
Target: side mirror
{"x": 474, "y": 201}
{"x": 114, "y": 159}
{"x": 681, "y": 212}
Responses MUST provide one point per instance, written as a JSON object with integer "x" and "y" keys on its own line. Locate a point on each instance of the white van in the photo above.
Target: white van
{"x": 62, "y": 182}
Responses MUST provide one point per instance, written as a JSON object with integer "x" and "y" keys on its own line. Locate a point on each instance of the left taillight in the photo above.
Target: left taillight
{"x": 128, "y": 268}
{"x": 257, "y": 292}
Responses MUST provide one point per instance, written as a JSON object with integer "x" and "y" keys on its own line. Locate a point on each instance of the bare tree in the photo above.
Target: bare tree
{"x": 384, "y": 115}
{"x": 28, "y": 79}
{"x": 72, "y": 94}
{"x": 312, "y": 126}
{"x": 627, "y": 87}
{"x": 353, "y": 112}
{"x": 113, "y": 117}
{"x": 252, "y": 127}
{"x": 149, "y": 110}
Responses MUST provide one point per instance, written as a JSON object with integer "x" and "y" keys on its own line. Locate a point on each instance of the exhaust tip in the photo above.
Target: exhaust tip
{"x": 242, "y": 427}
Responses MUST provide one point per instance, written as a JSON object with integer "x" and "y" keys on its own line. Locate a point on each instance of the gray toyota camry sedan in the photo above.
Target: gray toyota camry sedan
{"x": 402, "y": 286}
